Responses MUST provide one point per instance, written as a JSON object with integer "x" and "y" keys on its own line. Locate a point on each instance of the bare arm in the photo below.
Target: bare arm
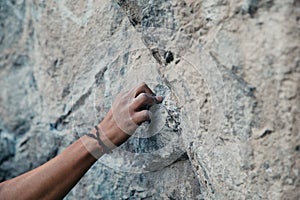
{"x": 54, "y": 179}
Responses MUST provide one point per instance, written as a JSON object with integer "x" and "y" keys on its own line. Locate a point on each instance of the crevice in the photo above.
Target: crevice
{"x": 75, "y": 107}
{"x": 99, "y": 76}
{"x": 80, "y": 101}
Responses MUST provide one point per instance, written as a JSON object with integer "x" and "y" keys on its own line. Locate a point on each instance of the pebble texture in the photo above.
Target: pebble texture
{"x": 229, "y": 71}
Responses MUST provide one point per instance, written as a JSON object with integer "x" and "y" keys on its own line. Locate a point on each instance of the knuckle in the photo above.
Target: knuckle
{"x": 146, "y": 115}
{"x": 131, "y": 109}
{"x": 135, "y": 119}
{"x": 141, "y": 117}
{"x": 143, "y": 84}
{"x": 144, "y": 97}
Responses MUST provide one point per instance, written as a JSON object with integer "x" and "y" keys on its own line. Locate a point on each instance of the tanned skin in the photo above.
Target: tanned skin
{"x": 55, "y": 178}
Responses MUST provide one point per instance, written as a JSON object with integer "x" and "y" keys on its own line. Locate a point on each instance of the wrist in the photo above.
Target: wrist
{"x": 111, "y": 132}
{"x": 109, "y": 136}
{"x": 92, "y": 146}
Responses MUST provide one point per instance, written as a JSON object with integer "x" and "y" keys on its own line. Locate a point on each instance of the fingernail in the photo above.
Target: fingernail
{"x": 159, "y": 98}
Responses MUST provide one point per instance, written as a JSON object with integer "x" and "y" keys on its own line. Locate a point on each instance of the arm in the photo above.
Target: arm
{"x": 54, "y": 179}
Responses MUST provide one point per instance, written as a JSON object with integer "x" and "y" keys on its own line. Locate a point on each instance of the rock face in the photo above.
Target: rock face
{"x": 229, "y": 71}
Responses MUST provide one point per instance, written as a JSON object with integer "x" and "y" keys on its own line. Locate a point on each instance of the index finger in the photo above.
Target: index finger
{"x": 143, "y": 88}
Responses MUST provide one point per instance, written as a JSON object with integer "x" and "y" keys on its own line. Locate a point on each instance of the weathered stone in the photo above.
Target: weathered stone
{"x": 229, "y": 70}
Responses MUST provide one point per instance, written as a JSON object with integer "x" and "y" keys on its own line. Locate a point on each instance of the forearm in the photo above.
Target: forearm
{"x": 54, "y": 179}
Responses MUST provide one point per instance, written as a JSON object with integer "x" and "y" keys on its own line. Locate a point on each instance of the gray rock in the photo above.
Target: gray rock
{"x": 228, "y": 127}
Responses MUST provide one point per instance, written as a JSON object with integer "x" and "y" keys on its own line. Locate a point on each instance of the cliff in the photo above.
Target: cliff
{"x": 229, "y": 71}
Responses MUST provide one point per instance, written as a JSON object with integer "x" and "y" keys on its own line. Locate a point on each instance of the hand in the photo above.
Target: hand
{"x": 129, "y": 110}
{"x": 53, "y": 180}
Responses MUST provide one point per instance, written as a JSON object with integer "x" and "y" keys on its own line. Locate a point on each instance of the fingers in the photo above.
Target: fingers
{"x": 142, "y": 116}
{"x": 159, "y": 99}
{"x": 144, "y": 101}
{"x": 143, "y": 88}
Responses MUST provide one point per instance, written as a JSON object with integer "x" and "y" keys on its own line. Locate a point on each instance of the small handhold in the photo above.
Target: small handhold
{"x": 260, "y": 133}
{"x": 168, "y": 56}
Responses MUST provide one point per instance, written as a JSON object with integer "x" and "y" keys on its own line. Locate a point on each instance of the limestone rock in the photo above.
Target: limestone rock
{"x": 229, "y": 70}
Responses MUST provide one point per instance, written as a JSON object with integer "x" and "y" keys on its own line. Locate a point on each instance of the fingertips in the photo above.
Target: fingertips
{"x": 159, "y": 99}
{"x": 145, "y": 101}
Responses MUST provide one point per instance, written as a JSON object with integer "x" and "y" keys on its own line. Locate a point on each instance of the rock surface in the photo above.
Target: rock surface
{"x": 230, "y": 72}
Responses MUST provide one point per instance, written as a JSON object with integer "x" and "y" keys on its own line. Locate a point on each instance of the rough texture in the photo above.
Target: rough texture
{"x": 230, "y": 72}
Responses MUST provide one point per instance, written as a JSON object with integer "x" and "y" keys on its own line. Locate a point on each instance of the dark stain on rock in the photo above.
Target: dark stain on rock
{"x": 66, "y": 91}
{"x": 99, "y": 76}
{"x": 1, "y": 38}
{"x": 57, "y": 62}
{"x": 122, "y": 70}
{"x": 297, "y": 148}
{"x": 7, "y": 149}
{"x": 183, "y": 157}
{"x": 144, "y": 145}
{"x": 32, "y": 82}
{"x": 52, "y": 69}
{"x": 267, "y": 132}
{"x": 76, "y": 106}
{"x": 134, "y": 21}
{"x": 155, "y": 54}
{"x": 268, "y": 4}
{"x": 171, "y": 198}
{"x": 126, "y": 58}
{"x": 60, "y": 120}
{"x": 21, "y": 60}
{"x": 251, "y": 8}
{"x": 24, "y": 142}
{"x": 132, "y": 10}
{"x": 235, "y": 68}
{"x": 132, "y": 192}
{"x": 169, "y": 57}
{"x": 266, "y": 165}
{"x": 21, "y": 127}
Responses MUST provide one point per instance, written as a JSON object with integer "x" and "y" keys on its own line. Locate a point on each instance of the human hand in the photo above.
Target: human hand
{"x": 129, "y": 110}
